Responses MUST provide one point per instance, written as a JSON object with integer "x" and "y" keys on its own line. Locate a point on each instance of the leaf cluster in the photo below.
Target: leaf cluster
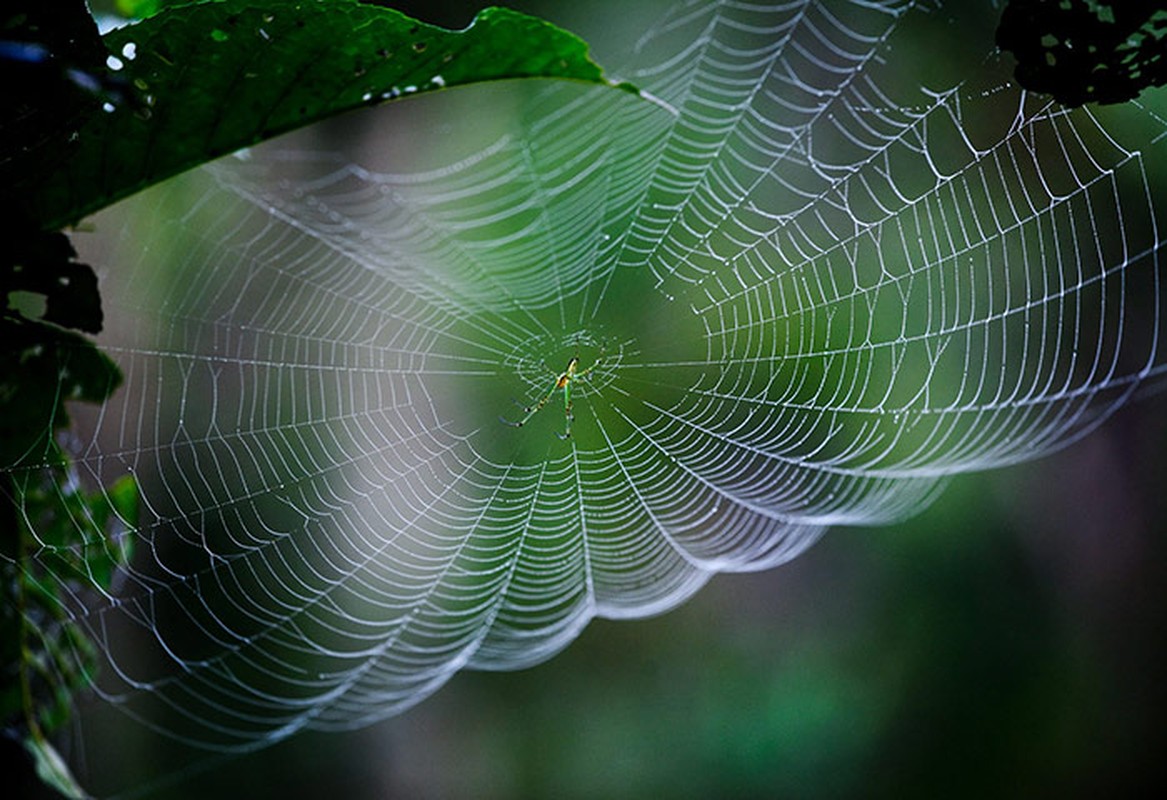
{"x": 91, "y": 119}
{"x": 1083, "y": 51}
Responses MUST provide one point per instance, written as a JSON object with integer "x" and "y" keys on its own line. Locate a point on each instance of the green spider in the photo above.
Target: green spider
{"x": 566, "y": 378}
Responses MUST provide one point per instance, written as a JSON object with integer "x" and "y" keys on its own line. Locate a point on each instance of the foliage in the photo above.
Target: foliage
{"x": 210, "y": 78}
{"x": 93, "y": 120}
{"x": 1083, "y": 51}
{"x": 74, "y": 533}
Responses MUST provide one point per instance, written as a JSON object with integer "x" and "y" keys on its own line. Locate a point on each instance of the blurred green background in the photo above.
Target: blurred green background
{"x": 1007, "y": 642}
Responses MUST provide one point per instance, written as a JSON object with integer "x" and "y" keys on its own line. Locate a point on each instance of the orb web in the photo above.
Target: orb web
{"x": 838, "y": 274}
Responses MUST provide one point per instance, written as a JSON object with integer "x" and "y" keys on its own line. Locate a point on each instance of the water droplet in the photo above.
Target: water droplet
{"x": 438, "y": 81}
{"x": 114, "y": 63}
{"x": 129, "y": 51}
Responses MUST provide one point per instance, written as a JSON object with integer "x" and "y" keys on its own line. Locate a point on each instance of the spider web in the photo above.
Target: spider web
{"x": 839, "y": 273}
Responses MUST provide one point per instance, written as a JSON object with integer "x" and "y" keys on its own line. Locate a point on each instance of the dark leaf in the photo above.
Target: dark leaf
{"x": 52, "y": 77}
{"x": 43, "y": 263}
{"x": 42, "y": 367}
{"x": 215, "y": 77}
{"x": 1083, "y": 51}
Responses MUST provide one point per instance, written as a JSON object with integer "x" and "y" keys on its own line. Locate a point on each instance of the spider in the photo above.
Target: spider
{"x": 565, "y": 380}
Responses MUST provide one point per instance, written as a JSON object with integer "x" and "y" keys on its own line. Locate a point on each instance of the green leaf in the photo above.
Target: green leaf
{"x": 51, "y": 768}
{"x": 122, "y": 496}
{"x": 139, "y": 9}
{"x": 216, "y": 77}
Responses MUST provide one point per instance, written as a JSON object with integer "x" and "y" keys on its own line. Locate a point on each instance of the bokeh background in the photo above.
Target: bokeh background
{"x": 1009, "y": 641}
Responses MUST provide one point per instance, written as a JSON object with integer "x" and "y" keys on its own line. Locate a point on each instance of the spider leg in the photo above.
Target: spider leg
{"x": 583, "y": 373}
{"x": 528, "y": 411}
